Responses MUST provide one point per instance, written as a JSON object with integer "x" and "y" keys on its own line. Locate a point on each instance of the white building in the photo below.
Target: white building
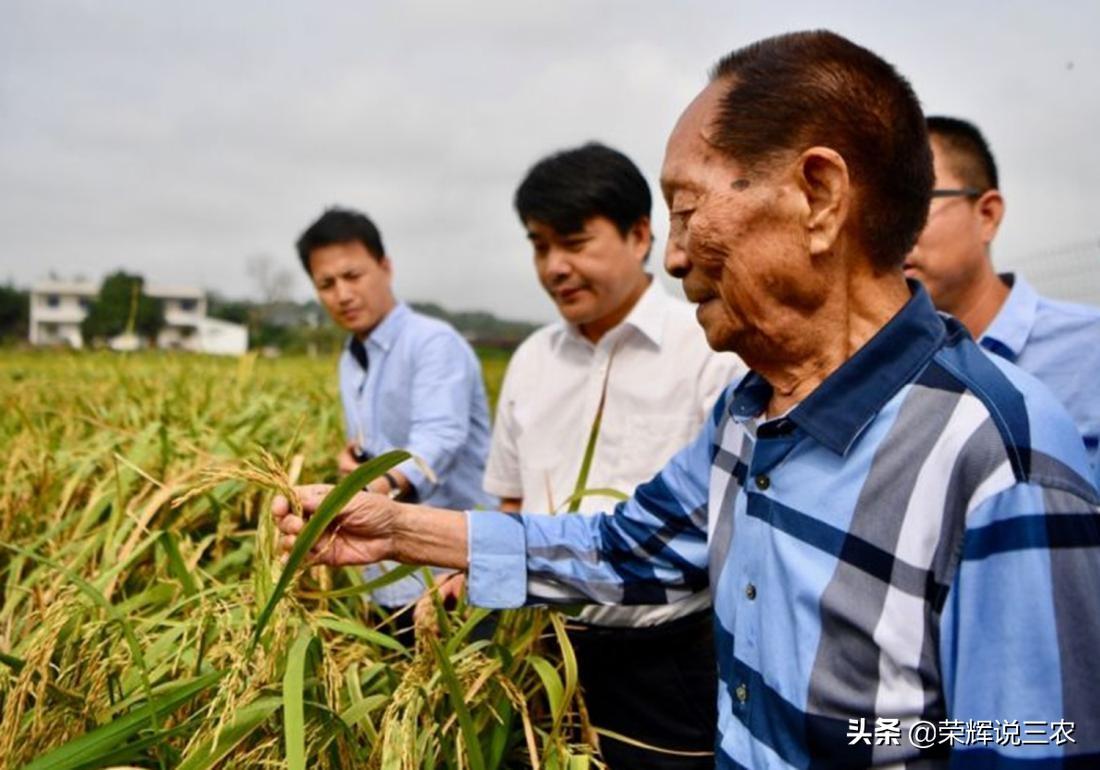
{"x": 57, "y": 309}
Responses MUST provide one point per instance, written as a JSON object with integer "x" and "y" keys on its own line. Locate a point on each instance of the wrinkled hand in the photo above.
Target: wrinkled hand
{"x": 345, "y": 461}
{"x": 450, "y": 591}
{"x": 361, "y": 534}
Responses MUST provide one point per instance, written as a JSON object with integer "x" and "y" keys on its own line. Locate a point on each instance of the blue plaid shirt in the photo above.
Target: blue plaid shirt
{"x": 1058, "y": 343}
{"x": 915, "y": 544}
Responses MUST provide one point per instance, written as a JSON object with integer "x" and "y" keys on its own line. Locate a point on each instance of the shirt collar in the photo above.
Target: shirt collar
{"x": 648, "y": 313}
{"x": 1013, "y": 323}
{"x": 847, "y": 401}
{"x": 386, "y": 332}
{"x": 647, "y": 316}
{"x": 358, "y": 353}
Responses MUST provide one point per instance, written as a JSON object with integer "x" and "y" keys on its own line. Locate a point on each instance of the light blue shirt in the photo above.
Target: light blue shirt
{"x": 1059, "y": 344}
{"x": 423, "y": 392}
{"x": 915, "y": 544}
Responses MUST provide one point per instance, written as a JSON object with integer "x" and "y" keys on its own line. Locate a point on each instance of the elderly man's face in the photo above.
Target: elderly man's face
{"x": 734, "y": 238}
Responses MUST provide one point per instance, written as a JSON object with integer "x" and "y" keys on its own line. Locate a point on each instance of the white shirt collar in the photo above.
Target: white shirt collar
{"x": 647, "y": 317}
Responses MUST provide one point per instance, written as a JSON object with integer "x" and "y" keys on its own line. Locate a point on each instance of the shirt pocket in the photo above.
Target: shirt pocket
{"x": 535, "y": 461}
{"x": 650, "y": 441}
{"x": 544, "y": 490}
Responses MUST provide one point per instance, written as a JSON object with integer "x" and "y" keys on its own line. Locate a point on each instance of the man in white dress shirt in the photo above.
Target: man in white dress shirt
{"x": 647, "y": 672}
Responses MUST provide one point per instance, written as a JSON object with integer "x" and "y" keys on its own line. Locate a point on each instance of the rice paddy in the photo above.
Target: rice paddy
{"x": 142, "y": 617}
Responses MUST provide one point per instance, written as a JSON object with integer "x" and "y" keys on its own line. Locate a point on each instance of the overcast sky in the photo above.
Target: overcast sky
{"x": 179, "y": 139}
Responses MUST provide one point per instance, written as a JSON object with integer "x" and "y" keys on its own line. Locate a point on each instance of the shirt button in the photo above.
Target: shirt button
{"x": 742, "y": 693}
{"x": 763, "y": 482}
{"x": 750, "y": 591}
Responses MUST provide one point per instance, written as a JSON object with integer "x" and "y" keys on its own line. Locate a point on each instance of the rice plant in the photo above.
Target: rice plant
{"x": 148, "y": 620}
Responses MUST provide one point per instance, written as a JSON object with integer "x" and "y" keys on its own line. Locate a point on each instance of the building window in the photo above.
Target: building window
{"x": 188, "y": 305}
{"x": 84, "y": 302}
{"x": 52, "y": 300}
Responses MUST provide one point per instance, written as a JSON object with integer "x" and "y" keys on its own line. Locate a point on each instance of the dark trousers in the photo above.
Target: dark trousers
{"x": 400, "y": 625}
{"x": 657, "y": 685}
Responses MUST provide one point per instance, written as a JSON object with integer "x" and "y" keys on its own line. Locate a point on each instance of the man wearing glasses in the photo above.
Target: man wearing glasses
{"x": 1057, "y": 342}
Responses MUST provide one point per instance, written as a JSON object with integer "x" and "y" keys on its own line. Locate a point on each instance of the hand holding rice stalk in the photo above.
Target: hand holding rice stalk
{"x": 336, "y": 547}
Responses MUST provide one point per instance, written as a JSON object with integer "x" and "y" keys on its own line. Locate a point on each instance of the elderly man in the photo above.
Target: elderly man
{"x": 1057, "y": 342}
{"x": 897, "y": 530}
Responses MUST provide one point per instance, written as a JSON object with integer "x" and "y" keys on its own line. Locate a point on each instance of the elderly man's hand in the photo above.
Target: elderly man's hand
{"x": 361, "y": 534}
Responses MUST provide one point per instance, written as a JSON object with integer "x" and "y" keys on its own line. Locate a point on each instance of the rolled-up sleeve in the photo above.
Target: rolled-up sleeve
{"x": 498, "y": 559}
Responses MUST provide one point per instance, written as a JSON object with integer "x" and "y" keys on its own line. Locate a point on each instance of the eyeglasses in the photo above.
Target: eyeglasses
{"x": 952, "y": 192}
{"x": 958, "y": 192}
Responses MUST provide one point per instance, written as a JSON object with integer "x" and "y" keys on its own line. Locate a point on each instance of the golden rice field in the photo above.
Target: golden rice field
{"x": 136, "y": 561}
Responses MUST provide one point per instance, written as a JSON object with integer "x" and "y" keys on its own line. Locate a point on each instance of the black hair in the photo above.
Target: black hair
{"x": 565, "y": 189}
{"x": 969, "y": 155}
{"x": 794, "y": 91}
{"x": 340, "y": 225}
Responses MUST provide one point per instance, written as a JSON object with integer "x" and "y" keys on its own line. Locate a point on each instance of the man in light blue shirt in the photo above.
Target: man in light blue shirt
{"x": 407, "y": 381}
{"x": 1056, "y": 342}
{"x": 897, "y": 529}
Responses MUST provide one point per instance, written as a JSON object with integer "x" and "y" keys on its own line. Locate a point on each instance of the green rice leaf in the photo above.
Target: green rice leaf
{"x": 294, "y": 715}
{"x": 459, "y": 636}
{"x": 358, "y": 630}
{"x": 458, "y": 702}
{"x": 356, "y": 713}
{"x": 392, "y": 576}
{"x": 568, "y": 659}
{"x": 590, "y": 447}
{"x": 551, "y": 683}
{"x": 107, "y": 738}
{"x": 157, "y": 595}
{"x": 572, "y": 503}
{"x": 133, "y": 751}
{"x": 247, "y": 719}
{"x": 176, "y": 564}
{"x": 12, "y": 662}
{"x": 500, "y": 733}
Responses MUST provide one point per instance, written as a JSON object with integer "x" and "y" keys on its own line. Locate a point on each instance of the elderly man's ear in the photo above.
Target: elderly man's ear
{"x": 822, "y": 178}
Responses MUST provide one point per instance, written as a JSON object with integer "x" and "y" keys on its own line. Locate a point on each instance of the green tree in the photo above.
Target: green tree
{"x": 14, "y": 312}
{"x": 237, "y": 311}
{"x": 122, "y": 306}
